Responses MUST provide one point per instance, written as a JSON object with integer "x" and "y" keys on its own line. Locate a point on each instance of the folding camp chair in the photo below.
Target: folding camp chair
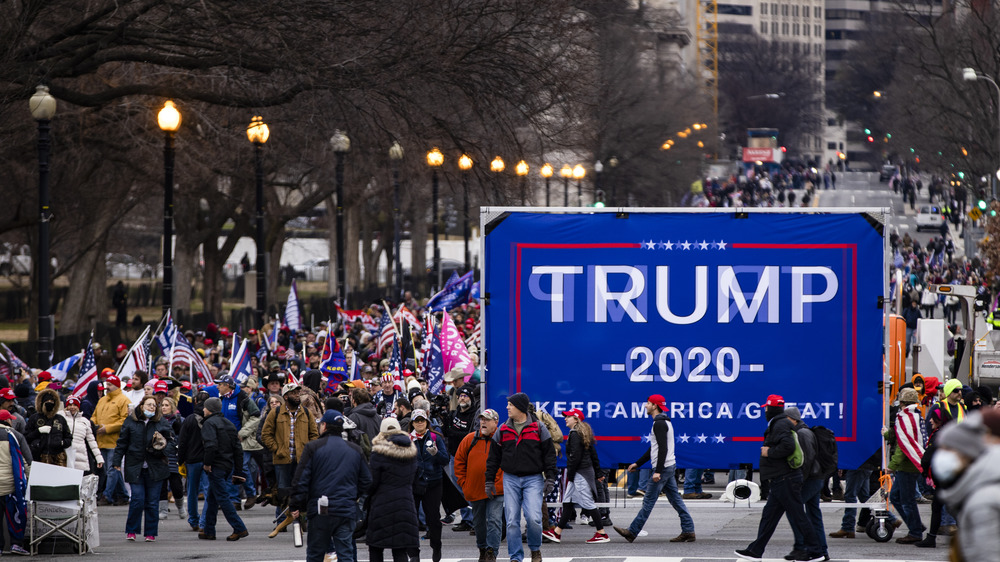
{"x": 55, "y": 506}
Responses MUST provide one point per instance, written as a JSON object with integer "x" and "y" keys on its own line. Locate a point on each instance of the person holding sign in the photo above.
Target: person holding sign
{"x": 781, "y": 465}
{"x": 661, "y": 454}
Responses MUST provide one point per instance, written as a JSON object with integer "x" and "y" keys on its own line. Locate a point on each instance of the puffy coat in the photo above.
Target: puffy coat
{"x": 392, "y": 514}
{"x": 277, "y": 431}
{"x": 331, "y": 467}
{"x": 529, "y": 453}
{"x": 778, "y": 439}
{"x": 111, "y": 412}
{"x": 135, "y": 445}
{"x": 974, "y": 499}
{"x": 83, "y": 438}
{"x": 470, "y": 466}
{"x": 57, "y": 438}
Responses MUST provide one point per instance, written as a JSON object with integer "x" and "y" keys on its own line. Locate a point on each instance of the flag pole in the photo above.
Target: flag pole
{"x": 391, "y": 319}
{"x": 159, "y": 327}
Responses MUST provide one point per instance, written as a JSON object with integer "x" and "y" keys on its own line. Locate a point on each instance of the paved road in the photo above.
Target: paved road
{"x": 720, "y": 530}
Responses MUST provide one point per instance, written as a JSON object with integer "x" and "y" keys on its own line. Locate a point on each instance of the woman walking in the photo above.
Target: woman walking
{"x": 582, "y": 466}
{"x": 392, "y": 514}
{"x": 432, "y": 456}
{"x": 144, "y": 443}
{"x": 83, "y": 439}
{"x": 168, "y": 409}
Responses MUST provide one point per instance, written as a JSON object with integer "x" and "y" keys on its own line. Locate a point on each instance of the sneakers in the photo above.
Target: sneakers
{"x": 684, "y": 537}
{"x": 625, "y": 533}
{"x": 747, "y": 555}
{"x": 908, "y": 539}
{"x": 19, "y": 550}
{"x": 448, "y": 520}
{"x": 640, "y": 492}
{"x": 130, "y": 537}
{"x": 842, "y": 534}
{"x": 552, "y": 536}
{"x": 463, "y": 526}
{"x": 491, "y": 555}
{"x": 598, "y": 538}
{"x": 150, "y": 538}
{"x": 238, "y": 536}
{"x": 802, "y": 556}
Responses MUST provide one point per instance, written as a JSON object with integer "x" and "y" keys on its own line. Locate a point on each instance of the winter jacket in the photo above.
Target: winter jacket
{"x": 248, "y": 433}
{"x": 135, "y": 445}
{"x": 334, "y": 468}
{"x": 392, "y": 514}
{"x": 778, "y": 438}
{"x": 529, "y": 453}
{"x": 580, "y": 459}
{"x": 83, "y": 439}
{"x": 57, "y": 438}
{"x": 7, "y": 480}
{"x": 974, "y": 499}
{"x": 366, "y": 418}
{"x": 810, "y": 458}
{"x": 459, "y": 424}
{"x": 470, "y": 466}
{"x": 175, "y": 421}
{"x": 277, "y": 431}
{"x": 233, "y": 406}
{"x": 430, "y": 467}
{"x": 111, "y": 411}
{"x": 222, "y": 445}
{"x": 189, "y": 444}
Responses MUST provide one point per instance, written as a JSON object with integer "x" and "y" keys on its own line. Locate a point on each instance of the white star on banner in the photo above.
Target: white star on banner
{"x": 684, "y": 438}
{"x": 686, "y": 245}
{"x": 719, "y": 438}
{"x": 702, "y": 438}
{"x": 703, "y": 244}
{"x": 649, "y": 245}
{"x": 721, "y": 244}
{"x": 646, "y": 439}
{"x": 669, "y": 245}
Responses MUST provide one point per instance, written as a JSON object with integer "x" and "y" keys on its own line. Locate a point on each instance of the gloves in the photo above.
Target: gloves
{"x": 550, "y": 485}
{"x": 491, "y": 490}
{"x": 432, "y": 450}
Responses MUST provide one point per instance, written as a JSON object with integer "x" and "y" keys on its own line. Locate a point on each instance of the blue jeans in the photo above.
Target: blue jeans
{"x": 855, "y": 490}
{"x": 284, "y": 474}
{"x": 653, "y": 489}
{"x": 904, "y": 498}
{"x": 736, "y": 474}
{"x": 785, "y": 496}
{"x": 487, "y": 517}
{"x": 810, "y": 498}
{"x": 115, "y": 485}
{"x": 145, "y": 500}
{"x": 217, "y": 488}
{"x": 328, "y": 530}
{"x": 194, "y": 473}
{"x": 523, "y": 494}
{"x": 692, "y": 480}
{"x": 250, "y": 468}
{"x": 637, "y": 480}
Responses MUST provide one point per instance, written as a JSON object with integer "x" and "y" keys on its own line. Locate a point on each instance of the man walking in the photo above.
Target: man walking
{"x": 661, "y": 455}
{"x": 223, "y": 462}
{"x": 812, "y": 483}
{"x": 286, "y": 432}
{"x": 486, "y": 498}
{"x": 522, "y": 448}
{"x": 905, "y": 463}
{"x": 331, "y": 472}
{"x": 109, "y": 414}
{"x": 785, "y": 495}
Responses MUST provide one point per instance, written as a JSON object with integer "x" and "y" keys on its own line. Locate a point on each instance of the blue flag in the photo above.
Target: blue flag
{"x": 333, "y": 363}
{"x": 454, "y": 295}
{"x": 474, "y": 294}
{"x": 452, "y": 279}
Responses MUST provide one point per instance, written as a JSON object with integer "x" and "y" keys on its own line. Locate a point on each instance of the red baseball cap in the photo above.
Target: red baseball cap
{"x": 208, "y": 341}
{"x": 252, "y": 332}
{"x": 160, "y": 386}
{"x": 44, "y": 376}
{"x": 574, "y": 412}
{"x": 186, "y": 385}
{"x": 112, "y": 380}
{"x": 659, "y": 400}
{"x": 775, "y": 400}
{"x": 121, "y": 347}
{"x": 73, "y": 400}
{"x": 224, "y": 332}
{"x": 5, "y": 415}
{"x": 7, "y": 394}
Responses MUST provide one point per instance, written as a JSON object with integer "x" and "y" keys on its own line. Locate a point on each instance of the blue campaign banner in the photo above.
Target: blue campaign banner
{"x": 715, "y": 311}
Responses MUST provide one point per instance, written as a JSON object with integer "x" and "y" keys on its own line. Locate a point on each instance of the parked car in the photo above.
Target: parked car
{"x": 929, "y": 217}
{"x": 124, "y": 266}
{"x": 886, "y": 172}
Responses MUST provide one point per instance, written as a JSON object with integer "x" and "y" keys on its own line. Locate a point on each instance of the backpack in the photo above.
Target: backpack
{"x": 796, "y": 458}
{"x": 553, "y": 427}
{"x": 826, "y": 450}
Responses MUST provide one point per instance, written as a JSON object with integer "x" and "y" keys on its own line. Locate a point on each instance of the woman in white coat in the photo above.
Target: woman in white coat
{"x": 83, "y": 438}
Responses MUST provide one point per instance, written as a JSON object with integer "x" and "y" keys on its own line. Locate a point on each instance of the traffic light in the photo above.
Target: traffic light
{"x": 783, "y": 149}
{"x": 981, "y": 204}
{"x": 870, "y": 139}
{"x": 961, "y": 175}
{"x": 868, "y": 131}
{"x": 888, "y": 135}
{"x": 599, "y": 199}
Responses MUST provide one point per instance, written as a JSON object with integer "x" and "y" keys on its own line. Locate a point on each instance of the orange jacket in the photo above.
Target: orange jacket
{"x": 470, "y": 467}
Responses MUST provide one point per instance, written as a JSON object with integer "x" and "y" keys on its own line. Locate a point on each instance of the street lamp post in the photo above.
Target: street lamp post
{"x": 257, "y": 133}
{"x": 566, "y": 172}
{"x": 521, "y": 169}
{"x": 43, "y": 107}
{"x": 497, "y": 166}
{"x": 169, "y": 120}
{"x": 465, "y": 164}
{"x": 547, "y": 174}
{"x": 396, "y": 155}
{"x": 578, "y": 174}
{"x": 613, "y": 162}
{"x": 598, "y": 168}
{"x": 971, "y": 75}
{"x": 341, "y": 143}
{"x": 434, "y": 160}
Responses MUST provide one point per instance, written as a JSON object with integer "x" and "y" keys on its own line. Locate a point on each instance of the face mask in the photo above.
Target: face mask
{"x": 946, "y": 466}
{"x": 149, "y": 414}
{"x": 771, "y": 411}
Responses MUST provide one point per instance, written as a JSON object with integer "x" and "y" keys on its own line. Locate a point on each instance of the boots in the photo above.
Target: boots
{"x": 491, "y": 555}
{"x": 930, "y": 541}
{"x": 482, "y": 555}
{"x": 163, "y": 509}
{"x": 180, "y": 507}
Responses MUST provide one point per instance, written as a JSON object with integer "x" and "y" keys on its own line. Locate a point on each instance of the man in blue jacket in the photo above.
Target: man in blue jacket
{"x": 335, "y": 470}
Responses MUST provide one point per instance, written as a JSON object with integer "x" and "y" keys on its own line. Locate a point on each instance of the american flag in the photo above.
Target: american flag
{"x": 166, "y": 338}
{"x": 404, "y": 314}
{"x": 88, "y": 370}
{"x": 292, "y": 309}
{"x": 425, "y": 347}
{"x": 474, "y": 339}
{"x": 386, "y": 333}
{"x": 137, "y": 358}
{"x": 184, "y": 355}
{"x": 15, "y": 361}
{"x": 395, "y": 361}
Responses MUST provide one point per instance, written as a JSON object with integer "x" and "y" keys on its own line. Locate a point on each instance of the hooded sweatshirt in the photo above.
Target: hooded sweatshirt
{"x": 975, "y": 498}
